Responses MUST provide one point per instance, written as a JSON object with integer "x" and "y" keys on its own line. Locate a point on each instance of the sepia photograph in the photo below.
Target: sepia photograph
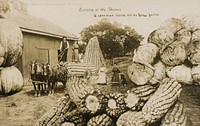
{"x": 99, "y": 63}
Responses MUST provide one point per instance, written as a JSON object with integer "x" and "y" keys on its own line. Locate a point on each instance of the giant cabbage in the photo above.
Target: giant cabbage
{"x": 161, "y": 37}
{"x": 191, "y": 22}
{"x": 174, "y": 54}
{"x": 193, "y": 52}
{"x": 196, "y": 35}
{"x": 172, "y": 24}
{"x": 181, "y": 73}
{"x": 159, "y": 72}
{"x": 145, "y": 53}
{"x": 139, "y": 73}
{"x": 183, "y": 35}
{"x": 196, "y": 74}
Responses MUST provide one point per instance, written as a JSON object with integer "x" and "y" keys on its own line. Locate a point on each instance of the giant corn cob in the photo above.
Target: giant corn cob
{"x": 160, "y": 102}
{"x": 131, "y": 118}
{"x": 100, "y": 120}
{"x": 137, "y": 97}
{"x": 87, "y": 99}
{"x": 116, "y": 105}
{"x": 55, "y": 116}
{"x": 175, "y": 116}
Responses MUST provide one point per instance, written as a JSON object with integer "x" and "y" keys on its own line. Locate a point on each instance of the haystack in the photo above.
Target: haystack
{"x": 93, "y": 54}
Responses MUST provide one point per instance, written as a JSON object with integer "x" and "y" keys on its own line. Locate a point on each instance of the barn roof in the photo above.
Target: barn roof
{"x": 40, "y": 26}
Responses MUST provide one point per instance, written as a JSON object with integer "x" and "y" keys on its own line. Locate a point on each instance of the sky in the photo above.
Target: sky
{"x": 142, "y": 15}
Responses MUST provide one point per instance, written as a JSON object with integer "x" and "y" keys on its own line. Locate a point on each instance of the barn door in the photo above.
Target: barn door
{"x": 53, "y": 57}
{"x": 43, "y": 55}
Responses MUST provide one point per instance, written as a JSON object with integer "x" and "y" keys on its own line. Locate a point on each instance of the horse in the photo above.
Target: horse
{"x": 49, "y": 76}
{"x": 45, "y": 75}
{"x": 54, "y": 75}
{"x": 36, "y": 75}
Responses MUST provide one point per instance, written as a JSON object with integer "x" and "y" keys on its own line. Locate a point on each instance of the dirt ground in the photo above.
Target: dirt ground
{"x": 23, "y": 109}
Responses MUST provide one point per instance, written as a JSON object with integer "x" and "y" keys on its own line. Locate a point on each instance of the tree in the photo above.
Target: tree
{"x": 114, "y": 39}
{"x": 132, "y": 40}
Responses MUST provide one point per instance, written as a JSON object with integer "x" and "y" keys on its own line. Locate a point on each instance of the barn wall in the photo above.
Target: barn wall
{"x": 42, "y": 48}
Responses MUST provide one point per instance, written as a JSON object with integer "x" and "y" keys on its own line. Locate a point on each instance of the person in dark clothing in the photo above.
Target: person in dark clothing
{"x": 123, "y": 79}
{"x": 64, "y": 49}
{"x": 115, "y": 77}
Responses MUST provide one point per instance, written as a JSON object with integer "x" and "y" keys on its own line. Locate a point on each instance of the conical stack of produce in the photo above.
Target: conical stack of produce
{"x": 93, "y": 54}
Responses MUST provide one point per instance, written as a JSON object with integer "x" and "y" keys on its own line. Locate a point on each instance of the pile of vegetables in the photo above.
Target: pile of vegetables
{"x": 11, "y": 44}
{"x": 176, "y": 53}
{"x": 160, "y": 68}
{"x": 93, "y": 54}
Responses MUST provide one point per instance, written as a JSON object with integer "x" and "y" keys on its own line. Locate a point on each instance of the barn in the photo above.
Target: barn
{"x": 41, "y": 38}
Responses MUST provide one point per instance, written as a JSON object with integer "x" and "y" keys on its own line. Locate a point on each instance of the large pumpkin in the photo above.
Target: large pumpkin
{"x": 11, "y": 40}
{"x": 2, "y": 53}
{"x": 11, "y": 80}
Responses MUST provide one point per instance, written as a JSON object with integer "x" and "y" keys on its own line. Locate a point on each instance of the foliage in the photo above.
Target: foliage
{"x": 114, "y": 39}
{"x": 4, "y": 6}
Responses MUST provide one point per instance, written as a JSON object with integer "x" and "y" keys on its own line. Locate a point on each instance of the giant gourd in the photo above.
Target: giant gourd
{"x": 11, "y": 39}
{"x": 11, "y": 80}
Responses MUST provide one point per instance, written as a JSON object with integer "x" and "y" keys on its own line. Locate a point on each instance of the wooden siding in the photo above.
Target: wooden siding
{"x": 44, "y": 49}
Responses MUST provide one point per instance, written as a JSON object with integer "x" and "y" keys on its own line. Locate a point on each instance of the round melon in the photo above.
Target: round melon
{"x": 11, "y": 80}
{"x": 11, "y": 39}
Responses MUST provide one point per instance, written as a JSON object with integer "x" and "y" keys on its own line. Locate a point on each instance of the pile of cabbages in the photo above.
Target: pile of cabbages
{"x": 172, "y": 50}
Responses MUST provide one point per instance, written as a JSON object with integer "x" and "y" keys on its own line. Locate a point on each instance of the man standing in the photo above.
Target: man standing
{"x": 64, "y": 46}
